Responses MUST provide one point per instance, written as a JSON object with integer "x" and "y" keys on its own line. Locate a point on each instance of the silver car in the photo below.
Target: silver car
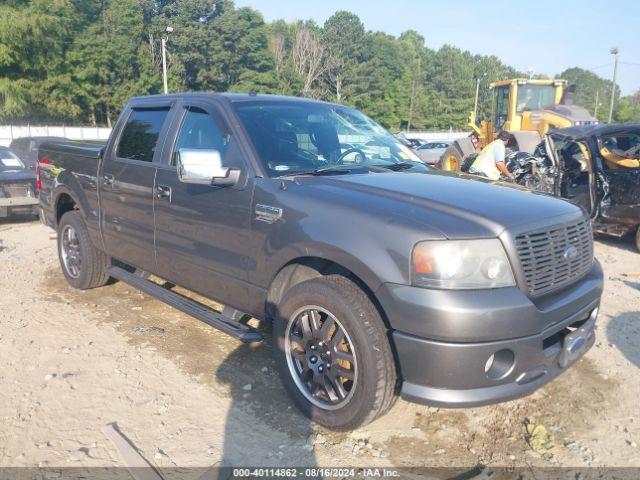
{"x": 431, "y": 152}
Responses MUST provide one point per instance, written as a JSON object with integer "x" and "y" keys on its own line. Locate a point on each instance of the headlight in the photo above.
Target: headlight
{"x": 461, "y": 264}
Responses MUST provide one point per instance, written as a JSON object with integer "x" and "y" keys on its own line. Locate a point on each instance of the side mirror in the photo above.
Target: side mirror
{"x": 204, "y": 167}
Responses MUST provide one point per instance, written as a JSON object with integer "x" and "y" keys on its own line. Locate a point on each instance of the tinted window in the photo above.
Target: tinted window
{"x": 140, "y": 134}
{"x": 199, "y": 130}
{"x": 9, "y": 161}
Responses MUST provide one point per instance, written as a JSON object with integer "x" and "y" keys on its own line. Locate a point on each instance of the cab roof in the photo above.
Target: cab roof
{"x": 581, "y": 132}
{"x": 230, "y": 97}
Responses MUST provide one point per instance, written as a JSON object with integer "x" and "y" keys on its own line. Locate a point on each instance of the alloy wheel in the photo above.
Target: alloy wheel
{"x": 321, "y": 357}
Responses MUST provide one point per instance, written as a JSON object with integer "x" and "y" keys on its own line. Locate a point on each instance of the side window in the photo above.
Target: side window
{"x": 502, "y": 107}
{"x": 140, "y": 134}
{"x": 200, "y": 130}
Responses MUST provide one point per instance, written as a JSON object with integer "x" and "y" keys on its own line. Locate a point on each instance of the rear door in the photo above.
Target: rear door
{"x": 203, "y": 235}
{"x": 127, "y": 184}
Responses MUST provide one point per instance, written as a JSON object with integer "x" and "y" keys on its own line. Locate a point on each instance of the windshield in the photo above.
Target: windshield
{"x": 294, "y": 137}
{"x": 535, "y": 97}
{"x": 9, "y": 161}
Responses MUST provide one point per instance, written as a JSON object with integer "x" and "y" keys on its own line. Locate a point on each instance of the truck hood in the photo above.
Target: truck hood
{"x": 459, "y": 206}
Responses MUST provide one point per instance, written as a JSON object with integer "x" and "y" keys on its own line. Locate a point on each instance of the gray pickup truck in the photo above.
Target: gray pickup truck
{"x": 379, "y": 275}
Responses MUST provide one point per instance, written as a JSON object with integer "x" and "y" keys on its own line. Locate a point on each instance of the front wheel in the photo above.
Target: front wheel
{"x": 333, "y": 354}
{"x": 83, "y": 265}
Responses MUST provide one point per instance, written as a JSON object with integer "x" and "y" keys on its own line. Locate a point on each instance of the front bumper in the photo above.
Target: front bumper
{"x": 448, "y": 362}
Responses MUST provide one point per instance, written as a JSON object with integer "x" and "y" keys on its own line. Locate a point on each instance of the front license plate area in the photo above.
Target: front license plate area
{"x": 576, "y": 343}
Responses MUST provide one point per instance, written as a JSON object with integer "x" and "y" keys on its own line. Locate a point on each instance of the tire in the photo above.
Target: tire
{"x": 83, "y": 265}
{"x": 451, "y": 160}
{"x": 371, "y": 392}
{"x": 638, "y": 238}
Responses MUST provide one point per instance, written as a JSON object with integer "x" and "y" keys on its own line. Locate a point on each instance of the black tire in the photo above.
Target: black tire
{"x": 638, "y": 238}
{"x": 451, "y": 160}
{"x": 91, "y": 272}
{"x": 373, "y": 391}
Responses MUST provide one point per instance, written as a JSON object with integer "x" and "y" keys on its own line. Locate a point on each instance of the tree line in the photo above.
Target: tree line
{"x": 78, "y": 61}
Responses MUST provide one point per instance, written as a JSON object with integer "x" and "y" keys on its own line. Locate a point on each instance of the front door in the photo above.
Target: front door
{"x": 203, "y": 232}
{"x": 576, "y": 179}
{"x": 127, "y": 186}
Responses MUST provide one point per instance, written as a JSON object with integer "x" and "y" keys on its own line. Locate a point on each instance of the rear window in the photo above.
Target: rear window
{"x": 140, "y": 134}
{"x": 9, "y": 161}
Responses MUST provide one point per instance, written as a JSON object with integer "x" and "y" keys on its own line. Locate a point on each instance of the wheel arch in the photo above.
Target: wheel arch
{"x": 305, "y": 268}
{"x": 64, "y": 201}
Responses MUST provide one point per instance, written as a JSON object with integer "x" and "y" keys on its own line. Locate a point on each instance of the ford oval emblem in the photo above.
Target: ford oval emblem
{"x": 571, "y": 253}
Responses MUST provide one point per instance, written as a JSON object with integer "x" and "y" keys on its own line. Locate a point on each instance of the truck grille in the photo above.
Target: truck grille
{"x": 17, "y": 190}
{"x": 554, "y": 258}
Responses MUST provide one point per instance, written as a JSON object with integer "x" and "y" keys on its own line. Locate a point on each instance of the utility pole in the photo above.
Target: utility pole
{"x": 614, "y": 51}
{"x": 164, "y": 59}
{"x": 595, "y": 108}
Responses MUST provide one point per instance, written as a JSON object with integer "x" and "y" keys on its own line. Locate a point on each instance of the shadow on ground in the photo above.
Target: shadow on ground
{"x": 17, "y": 219}
{"x": 623, "y": 331}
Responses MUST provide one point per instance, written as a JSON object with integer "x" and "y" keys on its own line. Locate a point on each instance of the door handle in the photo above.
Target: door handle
{"x": 108, "y": 179}
{"x": 163, "y": 191}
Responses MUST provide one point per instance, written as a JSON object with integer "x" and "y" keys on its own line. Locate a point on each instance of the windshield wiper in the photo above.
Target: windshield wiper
{"x": 333, "y": 170}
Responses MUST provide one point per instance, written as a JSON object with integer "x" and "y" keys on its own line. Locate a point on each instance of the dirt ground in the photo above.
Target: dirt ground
{"x": 188, "y": 396}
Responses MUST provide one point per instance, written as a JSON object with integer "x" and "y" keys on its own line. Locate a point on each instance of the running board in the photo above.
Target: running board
{"x": 207, "y": 315}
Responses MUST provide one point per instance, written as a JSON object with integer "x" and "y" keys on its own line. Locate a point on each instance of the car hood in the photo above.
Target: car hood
{"x": 459, "y": 206}
{"x": 17, "y": 176}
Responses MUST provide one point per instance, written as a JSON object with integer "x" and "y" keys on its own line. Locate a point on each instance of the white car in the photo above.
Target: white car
{"x": 431, "y": 152}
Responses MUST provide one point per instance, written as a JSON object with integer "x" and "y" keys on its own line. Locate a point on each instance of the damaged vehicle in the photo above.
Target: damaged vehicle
{"x": 594, "y": 166}
{"x": 17, "y": 186}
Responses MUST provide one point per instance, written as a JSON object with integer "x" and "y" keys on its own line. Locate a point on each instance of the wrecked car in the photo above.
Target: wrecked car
{"x": 18, "y": 194}
{"x": 594, "y": 166}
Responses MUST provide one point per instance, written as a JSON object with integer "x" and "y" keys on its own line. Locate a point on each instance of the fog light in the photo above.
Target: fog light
{"x": 499, "y": 364}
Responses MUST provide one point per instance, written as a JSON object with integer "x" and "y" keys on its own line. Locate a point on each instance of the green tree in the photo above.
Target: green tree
{"x": 592, "y": 91}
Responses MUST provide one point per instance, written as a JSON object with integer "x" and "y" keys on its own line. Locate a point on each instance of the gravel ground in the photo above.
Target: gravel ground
{"x": 188, "y": 396}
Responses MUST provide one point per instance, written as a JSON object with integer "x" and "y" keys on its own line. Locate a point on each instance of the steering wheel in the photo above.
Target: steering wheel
{"x": 360, "y": 158}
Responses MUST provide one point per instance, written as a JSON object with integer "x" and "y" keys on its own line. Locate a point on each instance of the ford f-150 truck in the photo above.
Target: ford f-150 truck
{"x": 380, "y": 276}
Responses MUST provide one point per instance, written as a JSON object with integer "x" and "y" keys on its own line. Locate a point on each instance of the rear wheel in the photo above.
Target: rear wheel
{"x": 83, "y": 265}
{"x": 333, "y": 354}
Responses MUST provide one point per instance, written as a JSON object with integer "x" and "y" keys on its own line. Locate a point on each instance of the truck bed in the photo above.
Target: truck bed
{"x": 74, "y": 163}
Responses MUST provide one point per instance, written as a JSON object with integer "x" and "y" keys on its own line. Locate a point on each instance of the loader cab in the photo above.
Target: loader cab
{"x": 514, "y": 99}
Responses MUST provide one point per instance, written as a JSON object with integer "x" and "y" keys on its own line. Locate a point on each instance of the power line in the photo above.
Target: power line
{"x": 601, "y": 66}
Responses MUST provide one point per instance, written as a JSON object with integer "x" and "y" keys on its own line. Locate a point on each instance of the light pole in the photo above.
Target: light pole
{"x": 614, "y": 51}
{"x": 530, "y": 71}
{"x": 164, "y": 59}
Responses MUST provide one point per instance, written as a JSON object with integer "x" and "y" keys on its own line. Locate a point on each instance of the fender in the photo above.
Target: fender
{"x": 335, "y": 255}
{"x": 81, "y": 191}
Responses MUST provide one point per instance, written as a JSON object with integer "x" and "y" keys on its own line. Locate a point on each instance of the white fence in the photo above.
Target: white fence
{"x": 435, "y": 136}
{"x": 10, "y": 132}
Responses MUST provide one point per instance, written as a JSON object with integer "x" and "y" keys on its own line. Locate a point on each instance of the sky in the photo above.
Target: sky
{"x": 548, "y": 36}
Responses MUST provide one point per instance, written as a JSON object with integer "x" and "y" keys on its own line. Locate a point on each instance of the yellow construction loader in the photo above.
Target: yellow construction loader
{"x": 525, "y": 108}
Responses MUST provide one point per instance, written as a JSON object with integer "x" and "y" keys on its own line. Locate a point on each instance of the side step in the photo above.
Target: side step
{"x": 210, "y": 317}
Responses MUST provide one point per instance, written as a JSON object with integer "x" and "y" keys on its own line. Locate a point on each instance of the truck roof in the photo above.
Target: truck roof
{"x": 580, "y": 132}
{"x": 231, "y": 97}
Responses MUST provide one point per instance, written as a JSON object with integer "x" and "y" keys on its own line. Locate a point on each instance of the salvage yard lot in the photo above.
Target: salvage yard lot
{"x": 187, "y": 395}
